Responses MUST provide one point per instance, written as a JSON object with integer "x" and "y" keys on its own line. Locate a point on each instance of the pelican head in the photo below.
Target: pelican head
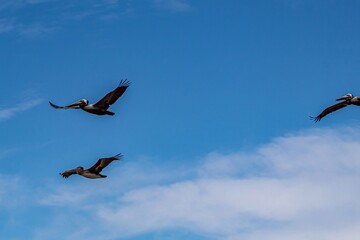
{"x": 83, "y": 102}
{"x": 78, "y": 104}
{"x": 79, "y": 170}
{"x": 348, "y": 96}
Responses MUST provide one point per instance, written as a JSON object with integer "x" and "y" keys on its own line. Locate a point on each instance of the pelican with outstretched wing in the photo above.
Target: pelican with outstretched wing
{"x": 101, "y": 107}
{"x": 346, "y": 100}
{"x": 94, "y": 171}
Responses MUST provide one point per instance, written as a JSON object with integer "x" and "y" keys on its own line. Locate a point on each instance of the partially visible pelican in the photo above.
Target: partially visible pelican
{"x": 346, "y": 100}
{"x": 94, "y": 171}
{"x": 101, "y": 107}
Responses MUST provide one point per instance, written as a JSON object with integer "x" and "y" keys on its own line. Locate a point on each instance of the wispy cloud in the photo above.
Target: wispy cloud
{"x": 12, "y": 23}
{"x": 12, "y": 191}
{"x": 302, "y": 186}
{"x": 9, "y": 4}
{"x": 26, "y": 30}
{"x": 6, "y": 4}
{"x": 6, "y": 25}
{"x": 53, "y": 14}
{"x": 173, "y": 5}
{"x": 35, "y": 29}
{"x": 7, "y": 113}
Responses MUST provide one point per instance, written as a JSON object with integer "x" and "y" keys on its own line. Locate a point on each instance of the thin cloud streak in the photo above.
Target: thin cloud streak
{"x": 6, "y": 25}
{"x": 302, "y": 186}
{"x": 43, "y": 23}
{"x": 34, "y": 30}
{"x": 8, "y": 113}
{"x": 99, "y": 9}
{"x": 13, "y": 4}
{"x": 26, "y": 30}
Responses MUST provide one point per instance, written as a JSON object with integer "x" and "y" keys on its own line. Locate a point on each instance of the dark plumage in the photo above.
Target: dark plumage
{"x": 101, "y": 107}
{"x": 347, "y": 99}
{"x": 94, "y": 171}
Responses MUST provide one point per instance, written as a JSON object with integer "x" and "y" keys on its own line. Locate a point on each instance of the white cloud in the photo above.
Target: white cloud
{"x": 303, "y": 186}
{"x": 7, "y": 113}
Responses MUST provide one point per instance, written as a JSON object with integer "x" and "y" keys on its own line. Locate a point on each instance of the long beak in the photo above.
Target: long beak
{"x": 74, "y": 105}
{"x": 345, "y": 97}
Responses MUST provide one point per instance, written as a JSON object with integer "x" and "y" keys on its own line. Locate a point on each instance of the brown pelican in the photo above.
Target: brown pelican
{"x": 101, "y": 107}
{"x": 94, "y": 171}
{"x": 346, "y": 100}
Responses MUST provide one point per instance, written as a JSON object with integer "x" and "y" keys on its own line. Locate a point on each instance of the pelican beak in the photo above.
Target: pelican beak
{"x": 345, "y": 97}
{"x": 74, "y": 105}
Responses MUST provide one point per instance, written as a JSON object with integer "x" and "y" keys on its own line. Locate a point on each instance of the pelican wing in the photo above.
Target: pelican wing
{"x": 103, "y": 162}
{"x": 330, "y": 109}
{"x": 68, "y": 173}
{"x": 55, "y": 106}
{"x": 114, "y": 95}
{"x": 71, "y": 106}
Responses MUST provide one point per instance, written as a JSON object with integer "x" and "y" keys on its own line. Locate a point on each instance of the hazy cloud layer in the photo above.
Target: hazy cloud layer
{"x": 303, "y": 186}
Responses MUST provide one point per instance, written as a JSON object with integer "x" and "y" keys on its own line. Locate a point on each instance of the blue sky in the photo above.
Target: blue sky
{"x": 214, "y": 128}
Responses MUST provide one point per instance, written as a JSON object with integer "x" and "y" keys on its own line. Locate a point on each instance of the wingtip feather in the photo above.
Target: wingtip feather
{"x": 63, "y": 175}
{"x": 124, "y": 83}
{"x": 118, "y": 156}
{"x": 54, "y": 106}
{"x": 315, "y": 119}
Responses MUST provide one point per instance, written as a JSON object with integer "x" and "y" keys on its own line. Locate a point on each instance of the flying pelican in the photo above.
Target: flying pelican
{"x": 94, "y": 171}
{"x": 101, "y": 107}
{"x": 346, "y": 100}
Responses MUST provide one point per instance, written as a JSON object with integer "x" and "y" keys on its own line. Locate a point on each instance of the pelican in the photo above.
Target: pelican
{"x": 346, "y": 100}
{"x": 101, "y": 107}
{"x": 94, "y": 171}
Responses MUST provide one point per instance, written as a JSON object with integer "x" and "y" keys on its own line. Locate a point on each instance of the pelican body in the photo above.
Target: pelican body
{"x": 346, "y": 100}
{"x": 94, "y": 171}
{"x": 101, "y": 107}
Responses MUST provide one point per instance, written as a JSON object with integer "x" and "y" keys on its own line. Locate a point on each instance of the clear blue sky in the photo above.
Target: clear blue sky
{"x": 214, "y": 127}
